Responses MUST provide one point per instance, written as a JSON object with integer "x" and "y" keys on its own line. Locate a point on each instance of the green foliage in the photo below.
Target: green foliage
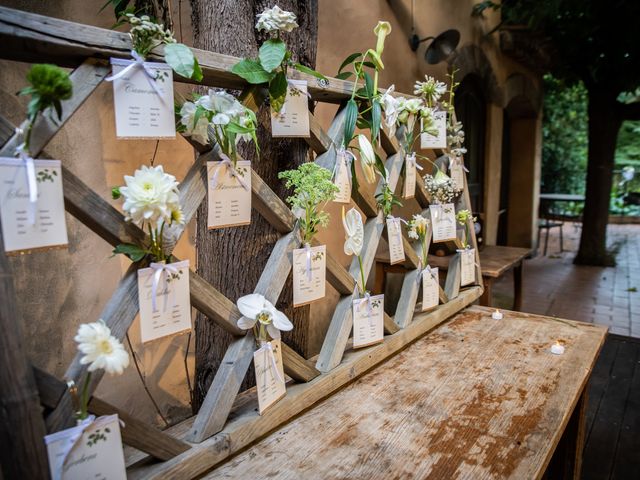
{"x": 312, "y": 186}
{"x": 628, "y": 145}
{"x": 181, "y": 59}
{"x": 49, "y": 86}
{"x": 386, "y": 200}
{"x": 134, "y": 252}
{"x": 272, "y": 54}
{"x": 252, "y": 71}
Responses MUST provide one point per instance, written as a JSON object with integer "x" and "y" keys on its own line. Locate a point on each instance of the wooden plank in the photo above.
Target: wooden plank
{"x": 339, "y": 277}
{"x": 445, "y": 410}
{"x": 246, "y": 425}
{"x": 389, "y": 143}
{"x": 497, "y": 259}
{"x": 296, "y": 366}
{"x": 319, "y": 141}
{"x": 389, "y": 326}
{"x": 452, "y": 284}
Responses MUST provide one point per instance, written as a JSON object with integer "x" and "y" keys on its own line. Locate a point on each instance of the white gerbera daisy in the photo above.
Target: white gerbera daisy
{"x": 101, "y": 350}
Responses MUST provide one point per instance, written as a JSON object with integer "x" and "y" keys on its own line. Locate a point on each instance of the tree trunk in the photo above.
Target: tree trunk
{"x": 232, "y": 259}
{"x": 604, "y": 123}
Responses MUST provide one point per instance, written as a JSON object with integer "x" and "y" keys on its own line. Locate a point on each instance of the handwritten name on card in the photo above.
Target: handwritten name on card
{"x": 430, "y": 288}
{"x": 229, "y": 197}
{"x": 443, "y": 219}
{"x": 342, "y": 178}
{"x": 368, "y": 321}
{"x": 143, "y": 105}
{"x": 270, "y": 382}
{"x": 435, "y": 141}
{"x": 26, "y": 225}
{"x": 467, "y": 266}
{"x": 309, "y": 274}
{"x": 172, "y": 314}
{"x": 394, "y": 239}
{"x": 293, "y": 119}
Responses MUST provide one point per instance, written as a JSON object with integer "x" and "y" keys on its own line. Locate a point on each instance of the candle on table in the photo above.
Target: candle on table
{"x": 557, "y": 348}
{"x": 497, "y": 315}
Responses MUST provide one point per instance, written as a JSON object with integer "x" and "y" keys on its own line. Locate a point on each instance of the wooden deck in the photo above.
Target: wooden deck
{"x": 612, "y": 448}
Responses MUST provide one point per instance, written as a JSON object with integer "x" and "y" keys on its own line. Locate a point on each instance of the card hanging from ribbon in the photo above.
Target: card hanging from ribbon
{"x": 411, "y": 165}
{"x": 443, "y": 221}
{"x": 368, "y": 320}
{"x": 293, "y": 118}
{"x": 309, "y": 274}
{"x": 342, "y": 175}
{"x": 270, "y": 381}
{"x": 395, "y": 239}
{"x": 229, "y": 193}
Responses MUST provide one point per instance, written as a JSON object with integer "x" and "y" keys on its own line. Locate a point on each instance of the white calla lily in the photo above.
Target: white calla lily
{"x": 354, "y": 230}
{"x": 367, "y": 158}
{"x": 257, "y": 309}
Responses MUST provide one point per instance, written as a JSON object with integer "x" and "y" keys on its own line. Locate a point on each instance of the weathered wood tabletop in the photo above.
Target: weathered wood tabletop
{"x": 476, "y": 398}
{"x": 495, "y": 260}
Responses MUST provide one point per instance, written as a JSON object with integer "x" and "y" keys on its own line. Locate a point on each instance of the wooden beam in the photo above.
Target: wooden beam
{"x": 296, "y": 366}
{"x": 319, "y": 141}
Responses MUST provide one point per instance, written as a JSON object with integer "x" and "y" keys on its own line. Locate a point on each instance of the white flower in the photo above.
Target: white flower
{"x": 101, "y": 349}
{"x": 197, "y": 131}
{"x": 274, "y": 19}
{"x": 151, "y": 196}
{"x": 354, "y": 230}
{"x": 221, "y": 102}
{"x": 256, "y": 308}
{"x": 430, "y": 89}
{"x": 391, "y": 106}
{"x": 413, "y": 105}
{"x": 628, "y": 173}
{"x": 367, "y": 158}
{"x": 455, "y": 135}
{"x": 418, "y": 227}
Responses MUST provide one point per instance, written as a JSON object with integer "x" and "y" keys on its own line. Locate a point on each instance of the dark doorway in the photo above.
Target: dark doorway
{"x": 505, "y": 180}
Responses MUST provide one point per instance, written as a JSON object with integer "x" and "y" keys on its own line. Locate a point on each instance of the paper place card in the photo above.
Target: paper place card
{"x": 172, "y": 313}
{"x": 394, "y": 239}
{"x": 26, "y": 225}
{"x": 309, "y": 274}
{"x": 270, "y": 382}
{"x": 435, "y": 141}
{"x": 342, "y": 179}
{"x": 143, "y": 99}
{"x": 467, "y": 266}
{"x": 92, "y": 450}
{"x": 229, "y": 197}
{"x": 443, "y": 219}
{"x": 368, "y": 321}
{"x": 456, "y": 172}
{"x": 430, "y": 289}
{"x": 293, "y": 119}
{"x": 409, "y": 190}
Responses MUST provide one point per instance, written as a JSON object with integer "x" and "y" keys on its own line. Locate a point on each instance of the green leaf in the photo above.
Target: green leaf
{"x": 368, "y": 82}
{"x": 252, "y": 71}
{"x": 272, "y": 54}
{"x": 237, "y": 128}
{"x": 115, "y": 193}
{"x": 134, "y": 252}
{"x": 278, "y": 91}
{"x": 344, "y": 75}
{"x": 309, "y": 71}
{"x": 376, "y": 118}
{"x": 197, "y": 71}
{"x": 180, "y": 58}
{"x": 349, "y": 60}
{"x": 350, "y": 118}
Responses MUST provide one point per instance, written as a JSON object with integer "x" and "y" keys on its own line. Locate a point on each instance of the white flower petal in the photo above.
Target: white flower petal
{"x": 251, "y": 305}
{"x": 273, "y": 332}
{"x": 246, "y": 323}
{"x": 281, "y": 322}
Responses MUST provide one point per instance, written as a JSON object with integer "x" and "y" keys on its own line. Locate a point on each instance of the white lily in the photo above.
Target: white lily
{"x": 257, "y": 309}
{"x": 368, "y": 158}
{"x": 354, "y": 230}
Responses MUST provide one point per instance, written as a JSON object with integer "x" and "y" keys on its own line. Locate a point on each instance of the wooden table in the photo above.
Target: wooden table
{"x": 476, "y": 398}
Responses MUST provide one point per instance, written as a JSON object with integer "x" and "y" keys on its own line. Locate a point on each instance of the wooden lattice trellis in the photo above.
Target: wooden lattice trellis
{"x": 225, "y": 423}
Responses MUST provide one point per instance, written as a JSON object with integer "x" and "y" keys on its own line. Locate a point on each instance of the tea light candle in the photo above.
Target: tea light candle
{"x": 557, "y": 348}
{"x": 497, "y": 315}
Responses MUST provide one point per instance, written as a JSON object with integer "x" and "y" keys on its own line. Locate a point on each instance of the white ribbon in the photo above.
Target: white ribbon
{"x": 32, "y": 182}
{"x": 411, "y": 160}
{"x": 348, "y": 157}
{"x": 367, "y": 301}
{"x": 72, "y": 437}
{"x": 160, "y": 270}
{"x": 138, "y": 62}
{"x": 307, "y": 251}
{"x": 226, "y": 162}
{"x": 457, "y": 160}
{"x": 396, "y": 223}
{"x": 270, "y": 361}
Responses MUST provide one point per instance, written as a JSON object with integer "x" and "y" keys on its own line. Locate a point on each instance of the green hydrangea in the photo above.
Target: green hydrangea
{"x": 49, "y": 86}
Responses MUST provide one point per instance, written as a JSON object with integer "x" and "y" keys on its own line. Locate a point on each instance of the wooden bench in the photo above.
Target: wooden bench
{"x": 476, "y": 398}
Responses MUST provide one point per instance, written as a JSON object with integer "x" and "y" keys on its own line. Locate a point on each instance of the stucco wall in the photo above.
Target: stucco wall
{"x": 71, "y": 287}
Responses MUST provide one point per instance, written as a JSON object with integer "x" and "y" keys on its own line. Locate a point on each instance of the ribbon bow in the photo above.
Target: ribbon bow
{"x": 226, "y": 162}
{"x": 270, "y": 360}
{"x": 395, "y": 221}
{"x": 457, "y": 160}
{"x": 32, "y": 182}
{"x": 160, "y": 270}
{"x": 367, "y": 301}
{"x": 411, "y": 160}
{"x": 138, "y": 63}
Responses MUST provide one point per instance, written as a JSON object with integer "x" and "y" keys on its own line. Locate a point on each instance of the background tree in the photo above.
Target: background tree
{"x": 232, "y": 259}
{"x": 599, "y": 43}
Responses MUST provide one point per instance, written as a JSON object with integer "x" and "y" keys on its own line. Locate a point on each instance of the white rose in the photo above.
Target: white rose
{"x": 274, "y": 19}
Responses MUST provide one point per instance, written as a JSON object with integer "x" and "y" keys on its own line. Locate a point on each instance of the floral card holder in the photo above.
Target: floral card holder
{"x": 467, "y": 266}
{"x": 309, "y": 274}
{"x": 32, "y": 221}
{"x": 143, "y": 99}
{"x": 443, "y": 220}
{"x": 435, "y": 141}
{"x": 368, "y": 321}
{"x": 165, "y": 307}
{"x": 342, "y": 179}
{"x": 270, "y": 381}
{"x": 229, "y": 197}
{"x": 394, "y": 239}
{"x": 293, "y": 119}
{"x": 91, "y": 450}
{"x": 430, "y": 289}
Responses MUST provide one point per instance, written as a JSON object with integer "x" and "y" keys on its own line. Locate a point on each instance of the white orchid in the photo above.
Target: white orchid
{"x": 367, "y": 158}
{"x": 101, "y": 350}
{"x": 431, "y": 89}
{"x": 275, "y": 19}
{"x": 354, "y": 231}
{"x": 258, "y": 310}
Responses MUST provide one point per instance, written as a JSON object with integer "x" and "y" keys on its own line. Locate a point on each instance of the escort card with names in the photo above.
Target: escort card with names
{"x": 394, "y": 239}
{"x": 293, "y": 119}
{"x": 342, "y": 179}
{"x": 443, "y": 220}
{"x": 95, "y": 453}
{"x": 456, "y": 172}
{"x": 143, "y": 99}
{"x": 368, "y": 321}
{"x": 172, "y": 314}
{"x": 435, "y": 141}
{"x": 430, "y": 289}
{"x": 229, "y": 195}
{"x": 467, "y": 266}
{"x": 26, "y": 225}
{"x": 409, "y": 190}
{"x": 270, "y": 383}
{"x": 309, "y": 274}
